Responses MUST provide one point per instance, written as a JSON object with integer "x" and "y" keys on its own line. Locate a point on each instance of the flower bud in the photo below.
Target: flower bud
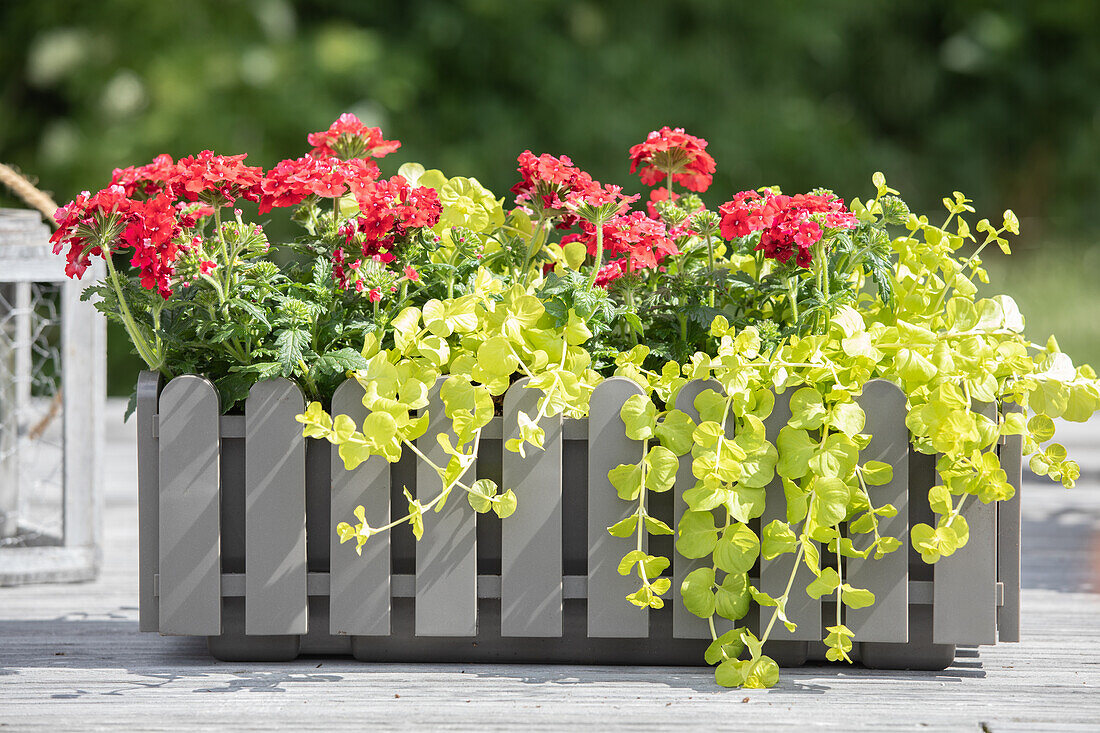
{"x": 705, "y": 223}
{"x": 894, "y": 210}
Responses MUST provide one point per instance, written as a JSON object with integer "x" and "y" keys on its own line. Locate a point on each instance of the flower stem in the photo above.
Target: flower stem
{"x": 710, "y": 265}
{"x": 792, "y": 293}
{"x": 152, "y": 360}
{"x": 533, "y": 245}
{"x": 630, "y": 303}
{"x": 311, "y": 385}
{"x": 221, "y": 239}
{"x": 599, "y": 255}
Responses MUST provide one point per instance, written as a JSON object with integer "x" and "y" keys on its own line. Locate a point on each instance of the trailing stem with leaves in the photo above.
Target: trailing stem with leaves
{"x": 432, "y": 296}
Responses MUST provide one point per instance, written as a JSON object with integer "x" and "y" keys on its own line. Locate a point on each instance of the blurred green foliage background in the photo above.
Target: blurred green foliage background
{"x": 999, "y": 99}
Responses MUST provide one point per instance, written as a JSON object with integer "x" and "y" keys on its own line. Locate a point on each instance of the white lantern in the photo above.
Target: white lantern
{"x": 52, "y": 388}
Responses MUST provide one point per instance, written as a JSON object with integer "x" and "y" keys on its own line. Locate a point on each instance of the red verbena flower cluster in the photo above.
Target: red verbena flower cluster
{"x": 550, "y": 186}
{"x": 224, "y": 176}
{"x": 347, "y": 137}
{"x": 636, "y": 240}
{"x": 388, "y": 211}
{"x": 656, "y": 196}
{"x": 790, "y": 225}
{"x": 78, "y": 223}
{"x": 673, "y": 152}
{"x": 110, "y": 218}
{"x": 149, "y": 179}
{"x": 146, "y": 208}
{"x": 190, "y": 212}
{"x": 151, "y": 233}
{"x": 609, "y": 273}
{"x": 292, "y": 181}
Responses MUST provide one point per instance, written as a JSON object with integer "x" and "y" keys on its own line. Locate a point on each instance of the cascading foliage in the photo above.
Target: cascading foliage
{"x": 422, "y": 282}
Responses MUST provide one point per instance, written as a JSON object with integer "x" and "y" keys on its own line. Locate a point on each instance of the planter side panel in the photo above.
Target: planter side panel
{"x": 148, "y": 450}
{"x": 275, "y": 510}
{"x": 446, "y": 556}
{"x": 964, "y": 607}
{"x": 359, "y": 585}
{"x": 887, "y": 577}
{"x": 531, "y": 539}
{"x": 190, "y": 502}
{"x": 801, "y": 609}
{"x": 609, "y": 613}
{"x": 685, "y": 624}
{"x": 1008, "y": 537}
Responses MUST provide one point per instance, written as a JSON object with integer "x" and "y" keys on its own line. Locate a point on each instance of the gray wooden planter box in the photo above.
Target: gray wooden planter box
{"x": 238, "y": 544}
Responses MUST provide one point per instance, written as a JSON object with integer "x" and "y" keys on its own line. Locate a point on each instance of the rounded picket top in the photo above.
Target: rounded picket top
{"x": 609, "y": 615}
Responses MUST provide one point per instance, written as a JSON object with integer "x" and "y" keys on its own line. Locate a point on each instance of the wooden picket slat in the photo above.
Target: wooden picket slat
{"x": 148, "y": 392}
{"x": 531, "y": 539}
{"x": 609, "y": 613}
{"x": 1008, "y": 538}
{"x": 83, "y": 384}
{"x": 446, "y": 557}
{"x": 275, "y": 510}
{"x": 801, "y": 609}
{"x": 190, "y": 503}
{"x": 964, "y": 604}
{"x": 686, "y": 625}
{"x": 888, "y": 577}
{"x": 359, "y": 590}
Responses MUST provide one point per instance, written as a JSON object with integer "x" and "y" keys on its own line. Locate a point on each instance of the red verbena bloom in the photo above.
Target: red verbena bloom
{"x": 548, "y": 184}
{"x": 656, "y": 196}
{"x": 75, "y": 224}
{"x": 109, "y": 221}
{"x": 388, "y": 211}
{"x": 347, "y": 138}
{"x": 597, "y": 195}
{"x": 673, "y": 152}
{"x": 743, "y": 215}
{"x": 189, "y": 213}
{"x": 374, "y": 295}
{"x": 86, "y": 223}
{"x": 219, "y": 179}
{"x": 150, "y": 233}
{"x": 790, "y": 225}
{"x": 292, "y": 181}
{"x": 358, "y": 172}
{"x": 149, "y": 179}
{"x": 640, "y": 241}
{"x": 609, "y": 273}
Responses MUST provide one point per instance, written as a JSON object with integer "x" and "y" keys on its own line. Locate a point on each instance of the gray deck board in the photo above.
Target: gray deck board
{"x": 71, "y": 658}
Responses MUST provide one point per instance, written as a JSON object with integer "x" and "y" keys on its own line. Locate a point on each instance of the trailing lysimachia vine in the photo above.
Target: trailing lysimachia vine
{"x": 482, "y": 339}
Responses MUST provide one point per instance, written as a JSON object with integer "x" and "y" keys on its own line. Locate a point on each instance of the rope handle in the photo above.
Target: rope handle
{"x": 24, "y": 189}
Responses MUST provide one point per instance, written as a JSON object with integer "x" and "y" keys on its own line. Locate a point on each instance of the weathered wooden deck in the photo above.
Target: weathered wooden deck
{"x": 71, "y": 658}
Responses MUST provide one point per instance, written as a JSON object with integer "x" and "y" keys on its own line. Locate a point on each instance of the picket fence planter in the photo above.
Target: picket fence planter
{"x": 238, "y": 543}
